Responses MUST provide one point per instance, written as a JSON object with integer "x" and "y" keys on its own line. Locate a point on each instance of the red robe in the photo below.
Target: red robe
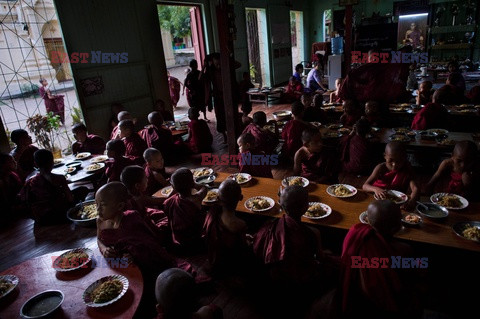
{"x": 174, "y": 86}
{"x": 93, "y": 144}
{"x": 292, "y": 134}
{"x": 159, "y": 138}
{"x": 349, "y": 120}
{"x": 200, "y": 138}
{"x": 135, "y": 146}
{"x": 114, "y": 167}
{"x": 115, "y": 133}
{"x": 395, "y": 180}
{"x": 185, "y": 219}
{"x": 431, "y": 116}
{"x": 287, "y": 247}
{"x": 248, "y": 164}
{"x": 10, "y": 186}
{"x": 152, "y": 184}
{"x": 319, "y": 165}
{"x": 355, "y": 155}
{"x": 47, "y": 200}
{"x": 293, "y": 91}
{"x": 25, "y": 161}
{"x": 264, "y": 139}
{"x": 455, "y": 185}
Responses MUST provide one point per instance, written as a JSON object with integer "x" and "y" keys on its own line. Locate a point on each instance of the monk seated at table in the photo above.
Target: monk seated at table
{"x": 93, "y": 144}
{"x": 434, "y": 115}
{"x": 174, "y": 291}
{"x": 395, "y": 173}
{"x": 474, "y": 95}
{"x": 334, "y": 98}
{"x": 251, "y": 160}
{"x": 184, "y": 211}
{"x": 460, "y": 172}
{"x": 314, "y": 161}
{"x": 154, "y": 170}
{"x": 375, "y": 115}
{"x": 314, "y": 112}
{"x": 117, "y": 160}
{"x": 383, "y": 291}
{"x": 10, "y": 186}
{"x": 292, "y": 131}
{"x": 134, "y": 144}
{"x": 265, "y": 140}
{"x": 158, "y": 136}
{"x": 123, "y": 115}
{"x": 356, "y": 150}
{"x": 199, "y": 138}
{"x": 351, "y": 113}
{"x": 425, "y": 93}
{"x": 46, "y": 194}
{"x": 293, "y": 90}
{"x": 23, "y": 152}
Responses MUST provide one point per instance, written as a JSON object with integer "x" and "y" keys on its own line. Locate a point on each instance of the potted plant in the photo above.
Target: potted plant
{"x": 46, "y": 129}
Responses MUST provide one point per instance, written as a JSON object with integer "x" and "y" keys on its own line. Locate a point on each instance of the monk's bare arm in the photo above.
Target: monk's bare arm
{"x": 151, "y": 201}
{"x": 442, "y": 169}
{"x": 159, "y": 178}
{"x": 300, "y": 155}
{"x": 368, "y": 186}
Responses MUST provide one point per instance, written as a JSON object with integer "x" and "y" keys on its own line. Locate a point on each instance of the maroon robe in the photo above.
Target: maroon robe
{"x": 47, "y": 200}
{"x": 115, "y": 133}
{"x": 247, "y": 164}
{"x": 395, "y": 180}
{"x": 25, "y": 161}
{"x": 10, "y": 186}
{"x": 174, "y": 86}
{"x": 431, "y": 116}
{"x": 195, "y": 90}
{"x": 349, "y": 120}
{"x": 264, "y": 139}
{"x": 292, "y": 134}
{"x": 287, "y": 247}
{"x": 356, "y": 155}
{"x": 200, "y": 138}
{"x": 114, "y": 167}
{"x": 455, "y": 184}
{"x": 55, "y": 105}
{"x": 135, "y": 146}
{"x": 93, "y": 144}
{"x": 159, "y": 138}
{"x": 185, "y": 219}
{"x": 152, "y": 184}
{"x": 319, "y": 165}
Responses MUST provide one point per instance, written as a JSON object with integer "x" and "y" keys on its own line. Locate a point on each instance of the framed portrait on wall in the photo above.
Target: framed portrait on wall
{"x": 412, "y": 30}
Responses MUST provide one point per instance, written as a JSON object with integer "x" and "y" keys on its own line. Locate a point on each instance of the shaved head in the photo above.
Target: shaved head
{"x": 182, "y": 181}
{"x": 115, "y": 191}
{"x": 155, "y": 118}
{"x": 294, "y": 200}
{"x": 174, "y": 292}
{"x": 466, "y": 149}
{"x": 385, "y": 217}
{"x": 230, "y": 193}
{"x": 124, "y": 115}
{"x": 396, "y": 148}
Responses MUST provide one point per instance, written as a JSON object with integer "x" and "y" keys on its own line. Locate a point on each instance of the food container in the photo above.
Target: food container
{"x": 72, "y": 215}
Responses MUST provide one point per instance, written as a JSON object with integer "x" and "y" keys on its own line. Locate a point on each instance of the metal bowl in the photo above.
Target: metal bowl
{"x": 434, "y": 211}
{"x": 282, "y": 115}
{"x": 204, "y": 180}
{"x": 72, "y": 214}
{"x": 55, "y": 298}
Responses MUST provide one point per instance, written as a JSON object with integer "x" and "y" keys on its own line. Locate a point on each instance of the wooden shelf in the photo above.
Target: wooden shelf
{"x": 452, "y": 46}
{"x": 453, "y": 28}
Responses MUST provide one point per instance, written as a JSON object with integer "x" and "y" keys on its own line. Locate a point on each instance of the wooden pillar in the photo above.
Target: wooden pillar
{"x": 225, "y": 37}
{"x": 348, "y": 37}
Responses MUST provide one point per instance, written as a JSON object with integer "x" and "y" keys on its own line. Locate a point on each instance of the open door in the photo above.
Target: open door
{"x": 197, "y": 35}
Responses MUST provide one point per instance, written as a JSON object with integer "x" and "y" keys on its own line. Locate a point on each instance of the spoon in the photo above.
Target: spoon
{"x": 422, "y": 205}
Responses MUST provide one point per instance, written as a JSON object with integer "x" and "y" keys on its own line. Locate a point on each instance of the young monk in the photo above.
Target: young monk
{"x": 250, "y": 160}
{"x": 377, "y": 292}
{"x": 199, "y": 138}
{"x": 425, "y": 93}
{"x": 10, "y": 186}
{"x": 47, "y": 194}
{"x": 264, "y": 139}
{"x": 174, "y": 290}
{"x": 356, "y": 150}
{"x": 314, "y": 112}
{"x": 184, "y": 211}
{"x": 113, "y": 121}
{"x": 314, "y": 161}
{"x": 134, "y": 144}
{"x": 86, "y": 142}
{"x": 117, "y": 160}
{"x": 395, "y": 173}
{"x": 159, "y": 106}
{"x": 154, "y": 170}
{"x": 334, "y": 98}
{"x": 373, "y": 114}
{"x": 461, "y": 171}
{"x": 292, "y": 131}
{"x": 433, "y": 115}
{"x": 158, "y": 136}
{"x": 350, "y": 114}
{"x": 293, "y": 91}
{"x": 23, "y": 152}
{"x": 123, "y": 115}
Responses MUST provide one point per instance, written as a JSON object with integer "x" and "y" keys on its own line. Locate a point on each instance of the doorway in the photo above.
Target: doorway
{"x": 296, "y": 31}
{"x": 257, "y": 40}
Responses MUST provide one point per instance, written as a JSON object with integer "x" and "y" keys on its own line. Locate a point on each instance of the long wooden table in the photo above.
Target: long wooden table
{"x": 345, "y": 213}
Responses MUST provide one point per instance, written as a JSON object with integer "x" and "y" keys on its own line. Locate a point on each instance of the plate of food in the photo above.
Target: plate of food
{"x": 446, "y": 142}
{"x": 317, "y": 210}
{"x": 344, "y": 130}
{"x": 70, "y": 170}
{"x": 83, "y": 155}
{"x": 341, "y": 190}
{"x": 42, "y": 305}
{"x": 399, "y": 138}
{"x": 438, "y": 131}
{"x": 433, "y": 211}
{"x": 212, "y": 196}
{"x": 201, "y": 171}
{"x": 73, "y": 259}
{"x": 282, "y": 115}
{"x": 241, "y": 178}
{"x": 99, "y": 159}
{"x": 449, "y": 201}
{"x": 295, "y": 180}
{"x": 401, "y": 130}
{"x": 84, "y": 214}
{"x": 401, "y": 109}
{"x": 412, "y": 219}
{"x": 58, "y": 162}
{"x": 166, "y": 191}
{"x": 468, "y": 230}
{"x": 105, "y": 291}
{"x": 7, "y": 284}
{"x": 332, "y": 135}
{"x": 94, "y": 167}
{"x": 363, "y": 217}
{"x": 335, "y": 126}
{"x": 395, "y": 196}
{"x": 259, "y": 203}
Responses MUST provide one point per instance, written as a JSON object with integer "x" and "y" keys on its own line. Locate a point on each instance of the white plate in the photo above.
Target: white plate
{"x": 58, "y": 162}
{"x": 326, "y": 208}
{"x": 77, "y": 264}
{"x": 248, "y": 204}
{"x": 99, "y": 159}
{"x": 420, "y": 221}
{"x": 87, "y": 299}
{"x": 201, "y": 171}
{"x": 88, "y": 170}
{"x": 166, "y": 191}
{"x": 215, "y": 190}
{"x": 330, "y": 190}
{"x": 435, "y": 198}
{"x": 363, "y": 218}
{"x": 437, "y": 131}
{"x": 248, "y": 177}
{"x": 402, "y": 198}
{"x": 10, "y": 279}
{"x": 82, "y": 156}
{"x": 286, "y": 180}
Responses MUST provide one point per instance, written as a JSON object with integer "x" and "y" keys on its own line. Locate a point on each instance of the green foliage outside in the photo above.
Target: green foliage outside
{"x": 176, "y": 19}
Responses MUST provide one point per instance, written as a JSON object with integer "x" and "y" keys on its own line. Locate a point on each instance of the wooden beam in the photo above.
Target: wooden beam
{"x": 348, "y": 37}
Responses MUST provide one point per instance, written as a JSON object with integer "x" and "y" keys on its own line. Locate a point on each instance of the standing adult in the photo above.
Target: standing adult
{"x": 217, "y": 92}
{"x": 174, "y": 86}
{"x": 53, "y": 103}
{"x": 195, "y": 88}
